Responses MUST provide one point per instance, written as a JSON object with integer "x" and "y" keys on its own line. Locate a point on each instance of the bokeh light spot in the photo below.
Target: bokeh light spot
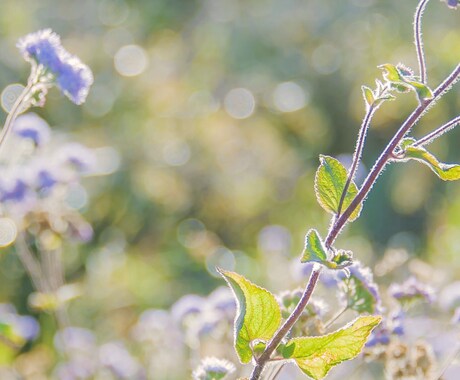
{"x": 240, "y": 103}
{"x": 10, "y": 94}
{"x": 289, "y": 97}
{"x": 8, "y": 232}
{"x": 131, "y": 60}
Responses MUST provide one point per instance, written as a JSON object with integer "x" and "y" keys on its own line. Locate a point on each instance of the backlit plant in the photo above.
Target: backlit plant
{"x": 264, "y": 332}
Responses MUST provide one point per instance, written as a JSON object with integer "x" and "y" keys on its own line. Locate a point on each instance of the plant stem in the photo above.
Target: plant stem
{"x": 357, "y": 154}
{"x": 335, "y": 317}
{"x": 15, "y": 111}
{"x": 339, "y": 222}
{"x": 418, "y": 39}
{"x": 428, "y": 139}
{"x": 287, "y": 325}
{"x": 387, "y": 154}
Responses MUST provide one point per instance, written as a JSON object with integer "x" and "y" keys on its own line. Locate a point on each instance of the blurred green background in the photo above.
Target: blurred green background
{"x": 217, "y": 111}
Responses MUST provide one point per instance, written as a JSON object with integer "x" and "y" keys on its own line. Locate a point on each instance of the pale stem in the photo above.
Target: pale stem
{"x": 15, "y": 111}
{"x": 428, "y": 139}
{"x": 30, "y": 263}
{"x": 418, "y": 39}
{"x": 335, "y": 317}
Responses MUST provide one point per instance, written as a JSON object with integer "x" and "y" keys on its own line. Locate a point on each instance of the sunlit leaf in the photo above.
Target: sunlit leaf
{"x": 315, "y": 356}
{"x": 314, "y": 248}
{"x": 330, "y": 181}
{"x": 447, "y": 172}
{"x": 258, "y": 316}
{"x": 368, "y": 95}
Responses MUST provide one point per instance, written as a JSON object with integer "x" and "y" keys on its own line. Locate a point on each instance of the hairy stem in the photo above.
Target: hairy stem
{"x": 357, "y": 154}
{"x": 287, "y": 325}
{"x": 428, "y": 139}
{"x": 418, "y": 39}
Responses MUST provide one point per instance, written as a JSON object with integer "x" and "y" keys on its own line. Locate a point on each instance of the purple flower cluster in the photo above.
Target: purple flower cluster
{"x": 411, "y": 290}
{"x": 43, "y": 48}
{"x": 391, "y": 326}
{"x": 40, "y": 177}
{"x": 454, "y": 4}
{"x": 87, "y": 360}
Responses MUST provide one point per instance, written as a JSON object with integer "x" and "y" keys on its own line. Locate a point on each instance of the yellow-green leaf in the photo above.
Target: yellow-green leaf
{"x": 447, "y": 172}
{"x": 316, "y": 355}
{"x": 258, "y": 316}
{"x": 330, "y": 181}
{"x": 314, "y": 248}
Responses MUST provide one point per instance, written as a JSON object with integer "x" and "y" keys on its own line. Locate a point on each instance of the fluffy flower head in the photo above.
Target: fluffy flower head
{"x": 43, "y": 48}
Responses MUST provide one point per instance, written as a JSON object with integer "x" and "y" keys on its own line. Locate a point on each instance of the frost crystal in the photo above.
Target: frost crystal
{"x": 44, "y": 48}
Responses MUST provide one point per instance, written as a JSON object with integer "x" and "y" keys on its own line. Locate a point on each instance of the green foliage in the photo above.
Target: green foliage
{"x": 314, "y": 248}
{"x": 315, "y": 251}
{"x": 402, "y": 80}
{"x": 315, "y": 356}
{"x": 330, "y": 181}
{"x": 258, "y": 316}
{"x": 447, "y": 172}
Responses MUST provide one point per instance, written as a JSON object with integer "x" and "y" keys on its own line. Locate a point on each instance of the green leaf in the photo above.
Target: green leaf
{"x": 447, "y": 172}
{"x": 330, "y": 180}
{"x": 314, "y": 248}
{"x": 258, "y": 315}
{"x": 390, "y": 72}
{"x": 359, "y": 294}
{"x": 316, "y": 355}
{"x": 423, "y": 91}
{"x": 368, "y": 95}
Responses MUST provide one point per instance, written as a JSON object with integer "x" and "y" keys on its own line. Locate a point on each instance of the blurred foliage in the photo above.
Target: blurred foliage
{"x": 218, "y": 110}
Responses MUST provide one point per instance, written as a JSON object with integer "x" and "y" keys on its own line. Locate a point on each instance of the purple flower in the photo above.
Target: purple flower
{"x": 189, "y": 304}
{"x": 43, "y": 48}
{"x": 33, "y": 127}
{"x": 78, "y": 156}
{"x": 456, "y": 317}
{"x": 72, "y": 76}
{"x": 452, "y": 3}
{"x": 13, "y": 190}
{"x": 411, "y": 290}
{"x": 117, "y": 359}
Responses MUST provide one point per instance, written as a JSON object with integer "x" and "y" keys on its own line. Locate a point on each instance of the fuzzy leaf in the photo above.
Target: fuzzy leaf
{"x": 314, "y": 248}
{"x": 390, "y": 72}
{"x": 368, "y": 95}
{"x": 330, "y": 180}
{"x": 316, "y": 355}
{"x": 258, "y": 316}
{"x": 423, "y": 91}
{"x": 447, "y": 172}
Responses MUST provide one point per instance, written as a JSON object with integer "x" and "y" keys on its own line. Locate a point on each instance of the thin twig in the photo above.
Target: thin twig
{"x": 357, "y": 154}
{"x": 30, "y": 263}
{"x": 287, "y": 325}
{"x": 448, "y": 362}
{"x": 335, "y": 317}
{"x": 418, "y": 40}
{"x": 428, "y": 139}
